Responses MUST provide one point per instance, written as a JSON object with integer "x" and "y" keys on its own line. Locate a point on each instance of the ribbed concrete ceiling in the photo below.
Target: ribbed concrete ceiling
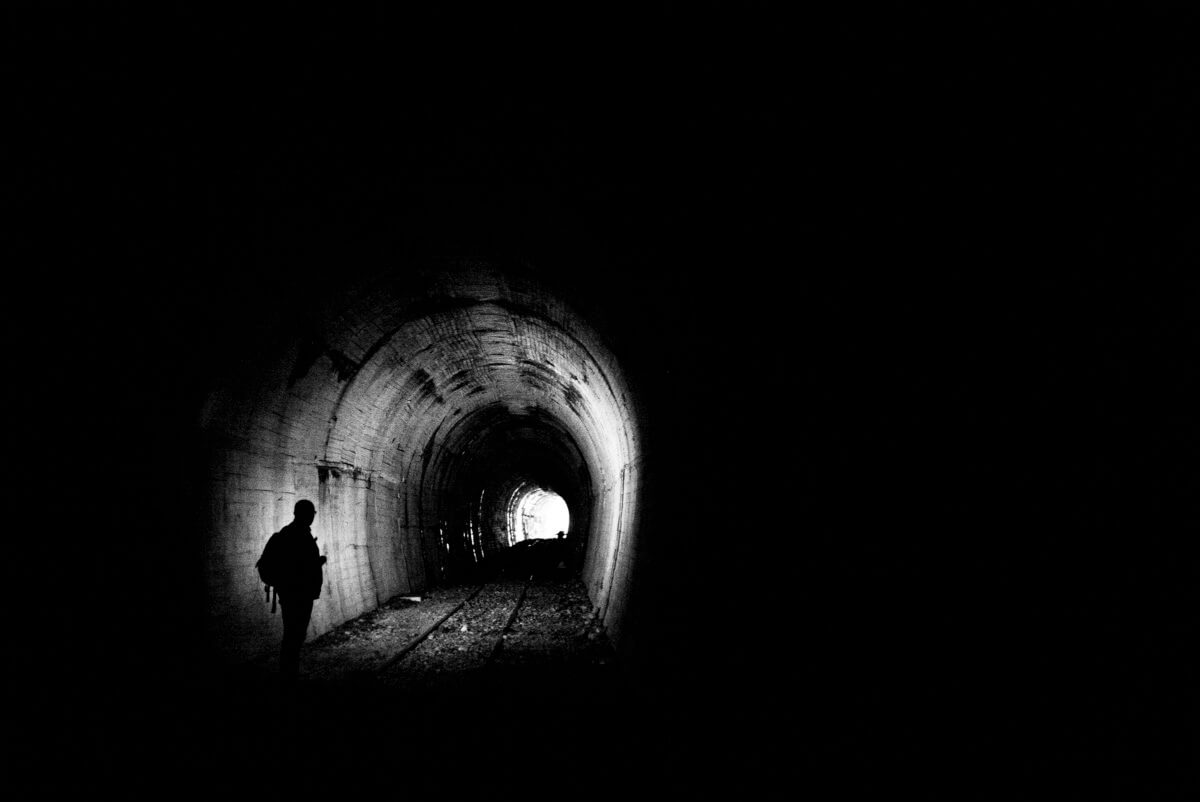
{"x": 417, "y": 380}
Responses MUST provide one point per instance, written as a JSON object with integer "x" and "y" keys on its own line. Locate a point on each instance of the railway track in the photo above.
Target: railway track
{"x": 468, "y": 637}
{"x": 527, "y": 620}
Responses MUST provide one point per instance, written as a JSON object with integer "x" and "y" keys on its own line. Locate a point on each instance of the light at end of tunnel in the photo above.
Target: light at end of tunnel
{"x": 543, "y": 514}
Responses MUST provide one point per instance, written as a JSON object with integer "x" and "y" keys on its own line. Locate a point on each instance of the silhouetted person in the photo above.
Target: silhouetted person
{"x": 564, "y": 551}
{"x": 297, "y": 576}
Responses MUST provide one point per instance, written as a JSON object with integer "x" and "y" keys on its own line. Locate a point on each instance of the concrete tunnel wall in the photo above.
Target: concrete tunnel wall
{"x": 366, "y": 406}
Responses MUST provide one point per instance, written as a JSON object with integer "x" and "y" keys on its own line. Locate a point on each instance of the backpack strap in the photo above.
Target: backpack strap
{"x": 274, "y": 596}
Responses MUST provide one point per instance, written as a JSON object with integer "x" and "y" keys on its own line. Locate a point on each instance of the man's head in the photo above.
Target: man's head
{"x": 305, "y": 512}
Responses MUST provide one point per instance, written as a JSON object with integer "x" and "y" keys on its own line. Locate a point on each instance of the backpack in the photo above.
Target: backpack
{"x": 268, "y": 571}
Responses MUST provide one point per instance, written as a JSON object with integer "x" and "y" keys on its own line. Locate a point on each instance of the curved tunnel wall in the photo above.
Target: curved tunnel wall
{"x": 388, "y": 409}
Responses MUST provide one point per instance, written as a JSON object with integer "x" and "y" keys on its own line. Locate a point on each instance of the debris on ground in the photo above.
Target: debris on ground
{"x": 555, "y": 624}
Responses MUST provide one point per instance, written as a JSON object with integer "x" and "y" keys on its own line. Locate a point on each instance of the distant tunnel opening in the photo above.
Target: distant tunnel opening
{"x": 500, "y": 487}
{"x": 538, "y": 514}
{"x": 437, "y": 418}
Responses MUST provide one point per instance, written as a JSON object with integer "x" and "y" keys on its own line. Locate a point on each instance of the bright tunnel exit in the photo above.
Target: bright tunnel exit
{"x": 539, "y": 514}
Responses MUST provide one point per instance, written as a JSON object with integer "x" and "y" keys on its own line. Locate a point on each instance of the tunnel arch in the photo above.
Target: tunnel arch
{"x": 502, "y": 453}
{"x": 405, "y": 406}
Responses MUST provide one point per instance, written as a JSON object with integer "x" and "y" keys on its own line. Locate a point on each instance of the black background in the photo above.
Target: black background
{"x": 905, "y": 296}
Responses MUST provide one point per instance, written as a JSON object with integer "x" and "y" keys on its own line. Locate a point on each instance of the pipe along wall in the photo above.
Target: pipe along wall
{"x": 410, "y": 413}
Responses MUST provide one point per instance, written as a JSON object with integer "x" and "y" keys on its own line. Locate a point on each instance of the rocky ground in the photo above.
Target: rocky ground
{"x": 507, "y": 685}
{"x": 547, "y": 621}
{"x": 506, "y": 690}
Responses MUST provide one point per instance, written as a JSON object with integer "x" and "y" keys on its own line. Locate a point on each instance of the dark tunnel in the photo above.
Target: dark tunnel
{"x": 427, "y": 401}
{"x": 859, "y": 366}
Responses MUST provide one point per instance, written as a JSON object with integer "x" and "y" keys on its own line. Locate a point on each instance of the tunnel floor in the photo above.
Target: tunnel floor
{"x": 452, "y": 633}
{"x": 509, "y": 692}
{"x": 547, "y": 714}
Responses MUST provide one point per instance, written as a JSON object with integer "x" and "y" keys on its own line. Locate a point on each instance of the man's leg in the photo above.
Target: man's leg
{"x": 296, "y": 613}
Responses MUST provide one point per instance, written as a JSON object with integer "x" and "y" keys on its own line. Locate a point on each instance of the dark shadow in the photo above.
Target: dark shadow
{"x": 290, "y": 567}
